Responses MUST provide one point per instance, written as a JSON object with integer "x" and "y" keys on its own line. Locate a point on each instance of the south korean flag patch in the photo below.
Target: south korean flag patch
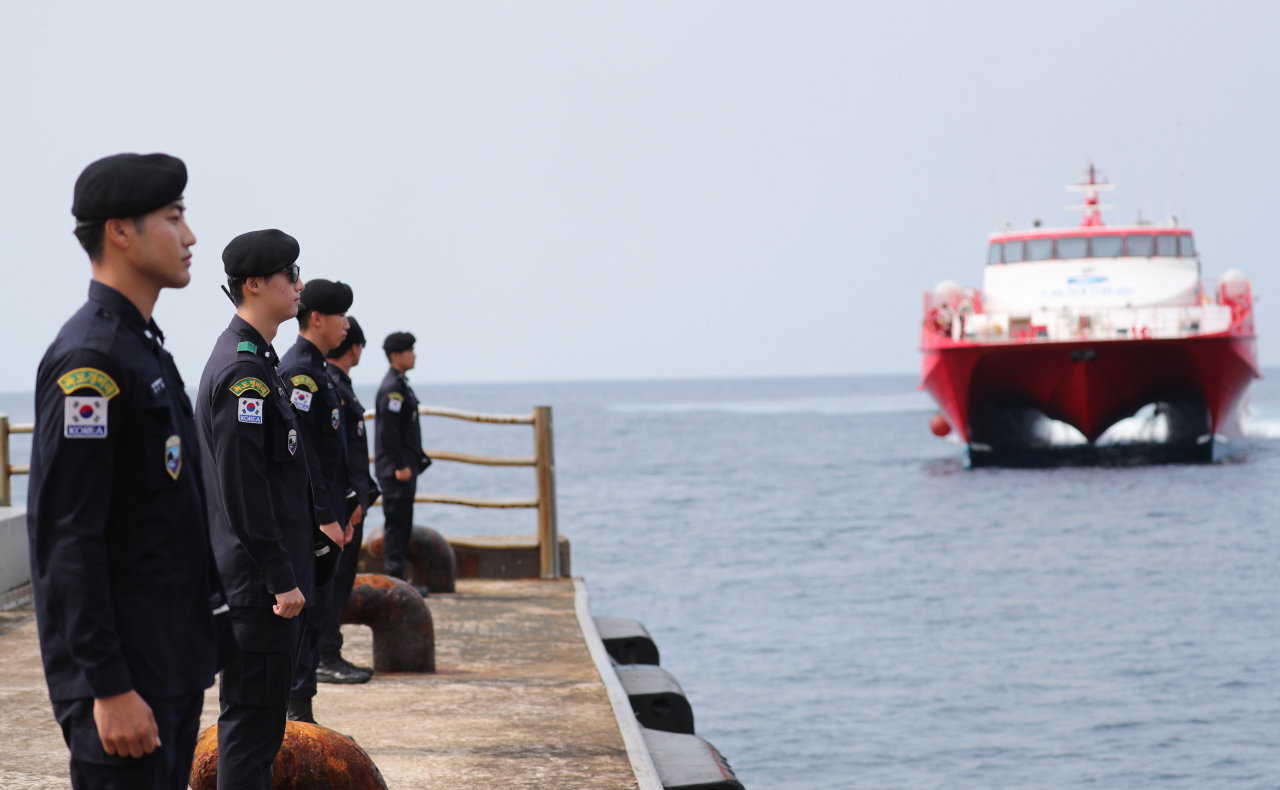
{"x": 251, "y": 410}
{"x": 84, "y": 418}
{"x": 301, "y": 399}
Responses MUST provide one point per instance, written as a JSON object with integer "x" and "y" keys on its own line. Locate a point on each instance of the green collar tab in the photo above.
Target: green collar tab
{"x": 245, "y": 345}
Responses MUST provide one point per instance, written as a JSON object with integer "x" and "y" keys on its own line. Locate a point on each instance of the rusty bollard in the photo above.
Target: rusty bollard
{"x": 404, "y": 637}
{"x": 312, "y": 758}
{"x": 431, "y": 559}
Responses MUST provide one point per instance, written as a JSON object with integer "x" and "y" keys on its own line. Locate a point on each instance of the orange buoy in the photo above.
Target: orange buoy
{"x": 939, "y": 425}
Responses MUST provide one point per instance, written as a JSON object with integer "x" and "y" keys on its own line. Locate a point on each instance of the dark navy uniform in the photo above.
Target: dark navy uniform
{"x": 397, "y": 445}
{"x": 264, "y": 530}
{"x": 314, "y": 396}
{"x": 365, "y": 491}
{"x": 124, "y": 581}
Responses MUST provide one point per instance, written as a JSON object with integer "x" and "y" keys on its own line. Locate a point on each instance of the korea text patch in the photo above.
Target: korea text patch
{"x": 251, "y": 410}
{"x": 84, "y": 418}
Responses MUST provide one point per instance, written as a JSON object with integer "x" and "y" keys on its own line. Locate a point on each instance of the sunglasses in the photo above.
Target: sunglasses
{"x": 293, "y": 271}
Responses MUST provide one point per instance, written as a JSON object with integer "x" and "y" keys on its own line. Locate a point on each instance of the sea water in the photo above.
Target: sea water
{"x": 847, "y": 606}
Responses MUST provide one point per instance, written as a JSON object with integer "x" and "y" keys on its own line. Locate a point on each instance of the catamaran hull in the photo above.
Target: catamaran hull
{"x": 998, "y": 396}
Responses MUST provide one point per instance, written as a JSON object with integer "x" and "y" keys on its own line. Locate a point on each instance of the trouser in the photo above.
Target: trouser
{"x": 344, "y": 578}
{"x": 166, "y": 768}
{"x": 395, "y": 535}
{"x": 304, "y": 669}
{"x": 253, "y": 696}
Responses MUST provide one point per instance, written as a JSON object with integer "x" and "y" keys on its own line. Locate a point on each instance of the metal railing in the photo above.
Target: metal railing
{"x": 543, "y": 461}
{"x": 8, "y": 470}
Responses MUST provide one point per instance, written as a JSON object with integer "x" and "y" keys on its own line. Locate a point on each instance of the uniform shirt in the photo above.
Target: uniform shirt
{"x": 261, "y": 516}
{"x": 358, "y": 477}
{"x": 315, "y": 399}
{"x": 121, "y": 567}
{"x": 397, "y": 439}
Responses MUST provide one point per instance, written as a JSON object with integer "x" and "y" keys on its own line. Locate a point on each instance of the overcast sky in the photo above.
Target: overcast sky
{"x": 554, "y": 190}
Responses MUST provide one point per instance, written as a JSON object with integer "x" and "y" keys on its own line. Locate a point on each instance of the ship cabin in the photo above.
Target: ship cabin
{"x": 1091, "y": 282}
{"x": 1140, "y": 241}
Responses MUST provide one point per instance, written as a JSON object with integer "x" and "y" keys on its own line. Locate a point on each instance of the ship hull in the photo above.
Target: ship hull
{"x": 998, "y": 396}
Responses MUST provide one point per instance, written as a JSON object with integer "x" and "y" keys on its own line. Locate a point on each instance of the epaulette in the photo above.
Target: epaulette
{"x": 245, "y": 345}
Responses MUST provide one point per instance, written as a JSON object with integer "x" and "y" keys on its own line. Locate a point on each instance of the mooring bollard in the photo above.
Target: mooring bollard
{"x": 311, "y": 758}
{"x": 431, "y": 559}
{"x": 404, "y": 637}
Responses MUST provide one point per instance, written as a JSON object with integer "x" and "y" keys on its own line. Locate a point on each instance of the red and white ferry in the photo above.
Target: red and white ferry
{"x": 1087, "y": 326}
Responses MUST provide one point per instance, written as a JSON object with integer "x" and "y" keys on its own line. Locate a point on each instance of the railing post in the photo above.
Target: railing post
{"x": 548, "y": 533}
{"x": 4, "y": 460}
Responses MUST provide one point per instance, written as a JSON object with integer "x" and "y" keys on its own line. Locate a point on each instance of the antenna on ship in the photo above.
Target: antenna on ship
{"x": 1182, "y": 176}
{"x": 1091, "y": 208}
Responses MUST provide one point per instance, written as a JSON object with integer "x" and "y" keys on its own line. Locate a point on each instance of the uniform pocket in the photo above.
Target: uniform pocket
{"x": 151, "y": 456}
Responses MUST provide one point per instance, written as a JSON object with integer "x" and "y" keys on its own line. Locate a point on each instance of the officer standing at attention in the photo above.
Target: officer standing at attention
{"x": 333, "y": 667}
{"x": 398, "y": 454}
{"x": 322, "y": 326}
{"x": 126, "y": 591}
{"x": 269, "y": 549}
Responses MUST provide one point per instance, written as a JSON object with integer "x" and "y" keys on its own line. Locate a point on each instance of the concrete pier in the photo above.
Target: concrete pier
{"x": 517, "y": 702}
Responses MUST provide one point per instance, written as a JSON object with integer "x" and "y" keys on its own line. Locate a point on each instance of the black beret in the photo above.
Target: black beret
{"x": 398, "y": 341}
{"x": 127, "y": 185}
{"x": 259, "y": 253}
{"x": 326, "y": 296}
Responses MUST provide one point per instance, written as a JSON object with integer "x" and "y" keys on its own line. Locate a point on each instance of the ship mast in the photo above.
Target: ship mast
{"x": 1091, "y": 208}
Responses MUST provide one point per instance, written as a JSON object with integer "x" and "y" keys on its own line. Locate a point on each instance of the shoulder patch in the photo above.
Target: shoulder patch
{"x": 90, "y": 378}
{"x": 244, "y": 385}
{"x": 84, "y": 418}
{"x": 245, "y": 345}
{"x": 305, "y": 381}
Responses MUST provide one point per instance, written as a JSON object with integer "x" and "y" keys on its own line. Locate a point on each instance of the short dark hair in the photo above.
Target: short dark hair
{"x": 91, "y": 236}
{"x": 304, "y": 317}
{"x": 235, "y": 286}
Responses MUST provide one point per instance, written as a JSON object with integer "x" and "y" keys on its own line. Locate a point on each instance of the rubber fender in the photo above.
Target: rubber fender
{"x": 627, "y": 641}
{"x": 657, "y": 699}
{"x": 686, "y": 762}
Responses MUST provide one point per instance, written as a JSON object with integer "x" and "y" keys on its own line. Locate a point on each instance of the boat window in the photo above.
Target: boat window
{"x": 1039, "y": 249}
{"x": 1166, "y": 245}
{"x": 1073, "y": 247}
{"x": 1108, "y": 246}
{"x": 993, "y": 255}
{"x": 1186, "y": 247}
{"x": 1143, "y": 246}
{"x": 1013, "y": 251}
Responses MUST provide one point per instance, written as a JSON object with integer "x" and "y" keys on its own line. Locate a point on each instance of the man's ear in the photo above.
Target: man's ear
{"x": 253, "y": 285}
{"x": 314, "y": 320}
{"x": 118, "y": 233}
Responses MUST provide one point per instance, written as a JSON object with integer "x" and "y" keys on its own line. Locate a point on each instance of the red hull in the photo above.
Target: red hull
{"x": 1090, "y": 385}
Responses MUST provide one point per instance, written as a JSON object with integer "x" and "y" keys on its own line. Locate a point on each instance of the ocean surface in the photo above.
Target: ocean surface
{"x": 847, "y": 606}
